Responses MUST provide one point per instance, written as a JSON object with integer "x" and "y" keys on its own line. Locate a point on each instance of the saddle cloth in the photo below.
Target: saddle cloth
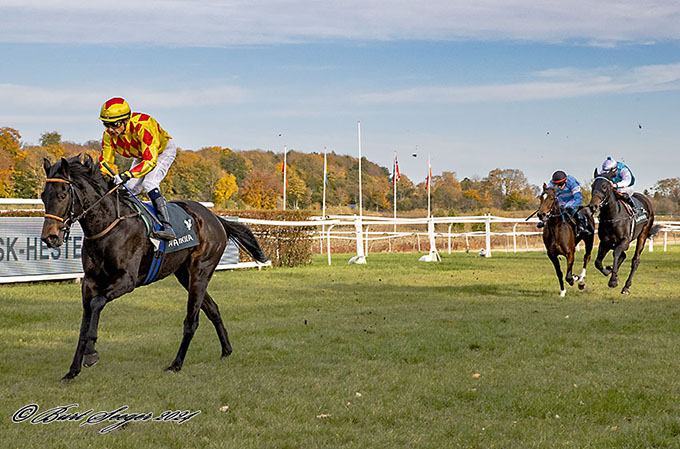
{"x": 181, "y": 222}
{"x": 640, "y": 211}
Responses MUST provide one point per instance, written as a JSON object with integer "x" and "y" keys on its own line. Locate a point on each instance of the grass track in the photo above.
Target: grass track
{"x": 594, "y": 369}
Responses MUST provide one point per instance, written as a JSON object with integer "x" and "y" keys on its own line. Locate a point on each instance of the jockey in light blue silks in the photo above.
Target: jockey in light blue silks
{"x": 568, "y": 192}
{"x": 622, "y": 181}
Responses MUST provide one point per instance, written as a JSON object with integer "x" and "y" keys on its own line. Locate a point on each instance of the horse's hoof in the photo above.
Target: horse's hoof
{"x": 562, "y": 293}
{"x": 70, "y": 375}
{"x": 90, "y": 360}
{"x": 625, "y": 291}
{"x": 226, "y": 354}
{"x": 582, "y": 286}
{"x": 173, "y": 368}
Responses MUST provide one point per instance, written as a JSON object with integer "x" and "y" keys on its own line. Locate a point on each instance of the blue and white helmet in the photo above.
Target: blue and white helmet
{"x": 608, "y": 165}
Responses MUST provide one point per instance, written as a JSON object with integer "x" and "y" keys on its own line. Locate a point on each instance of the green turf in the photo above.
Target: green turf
{"x": 469, "y": 352}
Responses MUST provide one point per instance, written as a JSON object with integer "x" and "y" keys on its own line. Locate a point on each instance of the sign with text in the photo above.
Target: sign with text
{"x": 24, "y": 257}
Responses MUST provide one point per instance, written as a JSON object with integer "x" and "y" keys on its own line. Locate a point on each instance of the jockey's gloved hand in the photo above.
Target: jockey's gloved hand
{"x": 122, "y": 178}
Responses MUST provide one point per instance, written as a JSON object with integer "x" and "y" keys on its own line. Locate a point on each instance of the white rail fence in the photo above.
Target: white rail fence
{"x": 360, "y": 231}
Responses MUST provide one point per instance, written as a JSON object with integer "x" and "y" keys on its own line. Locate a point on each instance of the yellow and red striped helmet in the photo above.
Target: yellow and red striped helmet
{"x": 115, "y": 109}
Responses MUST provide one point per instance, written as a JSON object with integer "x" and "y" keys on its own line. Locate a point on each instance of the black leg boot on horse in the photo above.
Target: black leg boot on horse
{"x": 166, "y": 232}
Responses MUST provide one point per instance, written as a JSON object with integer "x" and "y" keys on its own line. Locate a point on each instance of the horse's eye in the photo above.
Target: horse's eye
{"x": 62, "y": 196}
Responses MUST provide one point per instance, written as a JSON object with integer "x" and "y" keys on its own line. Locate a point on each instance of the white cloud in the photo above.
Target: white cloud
{"x": 234, "y": 22}
{"x": 549, "y": 84}
{"x": 23, "y": 97}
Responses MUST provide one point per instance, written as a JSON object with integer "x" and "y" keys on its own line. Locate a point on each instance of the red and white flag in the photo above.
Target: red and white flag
{"x": 396, "y": 176}
{"x": 429, "y": 176}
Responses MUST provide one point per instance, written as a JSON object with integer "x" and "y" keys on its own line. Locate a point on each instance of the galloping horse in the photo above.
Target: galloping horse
{"x": 559, "y": 238}
{"x": 117, "y": 254}
{"x": 617, "y": 229}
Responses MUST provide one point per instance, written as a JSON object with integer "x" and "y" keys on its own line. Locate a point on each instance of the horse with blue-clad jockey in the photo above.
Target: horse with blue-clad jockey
{"x": 625, "y": 216}
{"x": 565, "y": 223}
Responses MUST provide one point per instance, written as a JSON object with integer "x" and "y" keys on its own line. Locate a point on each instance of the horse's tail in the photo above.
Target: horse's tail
{"x": 244, "y": 238}
{"x": 655, "y": 230}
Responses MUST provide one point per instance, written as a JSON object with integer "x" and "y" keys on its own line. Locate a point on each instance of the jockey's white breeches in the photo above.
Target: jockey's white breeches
{"x": 152, "y": 180}
{"x": 629, "y": 190}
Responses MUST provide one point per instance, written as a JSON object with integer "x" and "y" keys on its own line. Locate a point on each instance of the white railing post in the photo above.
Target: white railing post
{"x": 514, "y": 238}
{"x": 450, "y": 226}
{"x": 358, "y": 229}
{"x": 487, "y": 230}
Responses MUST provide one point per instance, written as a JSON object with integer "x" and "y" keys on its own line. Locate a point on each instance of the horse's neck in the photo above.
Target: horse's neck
{"x": 612, "y": 208}
{"x": 102, "y": 214}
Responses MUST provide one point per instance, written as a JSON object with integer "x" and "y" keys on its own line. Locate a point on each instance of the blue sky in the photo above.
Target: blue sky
{"x": 497, "y": 84}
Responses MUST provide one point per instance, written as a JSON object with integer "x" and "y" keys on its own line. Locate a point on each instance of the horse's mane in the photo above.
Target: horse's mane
{"x": 83, "y": 167}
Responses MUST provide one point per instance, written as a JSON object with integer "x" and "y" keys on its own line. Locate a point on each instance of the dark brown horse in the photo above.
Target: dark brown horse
{"x": 117, "y": 254}
{"x": 560, "y": 240}
{"x": 617, "y": 230}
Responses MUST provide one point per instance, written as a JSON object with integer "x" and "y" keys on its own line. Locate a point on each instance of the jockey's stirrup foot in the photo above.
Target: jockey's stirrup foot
{"x": 166, "y": 232}
{"x": 540, "y": 224}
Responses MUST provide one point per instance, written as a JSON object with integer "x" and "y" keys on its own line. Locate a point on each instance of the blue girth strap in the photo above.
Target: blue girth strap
{"x": 159, "y": 254}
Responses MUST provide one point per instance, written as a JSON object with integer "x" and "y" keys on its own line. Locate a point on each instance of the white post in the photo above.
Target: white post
{"x": 285, "y": 172}
{"x": 450, "y": 226}
{"x": 665, "y": 240}
{"x": 514, "y": 238}
{"x": 323, "y": 206}
{"x": 360, "y": 258}
{"x": 429, "y": 184}
{"x": 394, "y": 182}
{"x": 487, "y": 229}
{"x": 651, "y": 245}
{"x": 360, "y": 194}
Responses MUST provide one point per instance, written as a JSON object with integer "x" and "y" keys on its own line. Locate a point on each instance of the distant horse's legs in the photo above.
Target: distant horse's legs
{"x": 635, "y": 262}
{"x": 602, "y": 251}
{"x": 556, "y": 263}
{"x": 570, "y": 266}
{"x": 618, "y": 254}
{"x": 586, "y": 259}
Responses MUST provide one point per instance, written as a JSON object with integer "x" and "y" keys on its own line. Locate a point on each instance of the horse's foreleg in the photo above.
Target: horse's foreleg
{"x": 196, "y": 295}
{"x": 213, "y": 313}
{"x": 91, "y": 357}
{"x": 75, "y": 368}
{"x": 558, "y": 270}
{"x": 570, "y": 267}
{"x": 586, "y": 259}
{"x": 619, "y": 255}
{"x": 601, "y": 253}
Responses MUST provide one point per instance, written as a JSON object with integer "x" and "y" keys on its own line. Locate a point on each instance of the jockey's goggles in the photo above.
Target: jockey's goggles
{"x": 115, "y": 124}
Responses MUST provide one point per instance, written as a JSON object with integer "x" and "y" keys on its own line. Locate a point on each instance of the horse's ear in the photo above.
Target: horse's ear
{"x": 89, "y": 162}
{"x": 595, "y": 173}
{"x": 46, "y": 165}
{"x": 65, "y": 168}
{"x": 544, "y": 187}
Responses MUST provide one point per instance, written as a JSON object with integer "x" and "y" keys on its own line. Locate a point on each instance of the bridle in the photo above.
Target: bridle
{"x": 71, "y": 216}
{"x": 605, "y": 197}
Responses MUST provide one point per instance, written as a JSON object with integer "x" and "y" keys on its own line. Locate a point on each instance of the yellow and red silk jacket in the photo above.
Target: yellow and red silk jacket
{"x": 143, "y": 139}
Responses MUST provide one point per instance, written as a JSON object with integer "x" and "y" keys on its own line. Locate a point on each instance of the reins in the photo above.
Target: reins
{"x": 68, "y": 222}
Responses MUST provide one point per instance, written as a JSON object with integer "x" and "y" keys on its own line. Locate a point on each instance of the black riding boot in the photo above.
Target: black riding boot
{"x": 582, "y": 227}
{"x": 166, "y": 232}
{"x": 629, "y": 201}
{"x": 540, "y": 224}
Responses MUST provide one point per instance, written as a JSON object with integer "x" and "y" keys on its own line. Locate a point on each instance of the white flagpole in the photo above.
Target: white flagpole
{"x": 285, "y": 172}
{"x": 360, "y": 194}
{"x": 360, "y": 258}
{"x": 325, "y": 177}
{"x": 394, "y": 181}
{"x": 429, "y": 184}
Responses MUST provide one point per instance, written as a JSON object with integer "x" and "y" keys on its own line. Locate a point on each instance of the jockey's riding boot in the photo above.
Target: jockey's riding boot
{"x": 166, "y": 232}
{"x": 583, "y": 227}
{"x": 629, "y": 201}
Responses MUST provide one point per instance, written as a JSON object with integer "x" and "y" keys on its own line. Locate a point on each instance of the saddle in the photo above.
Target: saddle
{"x": 181, "y": 222}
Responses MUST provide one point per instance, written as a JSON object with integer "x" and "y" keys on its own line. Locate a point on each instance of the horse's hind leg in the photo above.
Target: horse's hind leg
{"x": 210, "y": 309}
{"x": 213, "y": 313}
{"x": 634, "y": 264}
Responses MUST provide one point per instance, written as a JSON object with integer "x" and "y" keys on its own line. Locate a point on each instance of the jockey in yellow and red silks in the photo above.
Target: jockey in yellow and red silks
{"x": 140, "y": 137}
